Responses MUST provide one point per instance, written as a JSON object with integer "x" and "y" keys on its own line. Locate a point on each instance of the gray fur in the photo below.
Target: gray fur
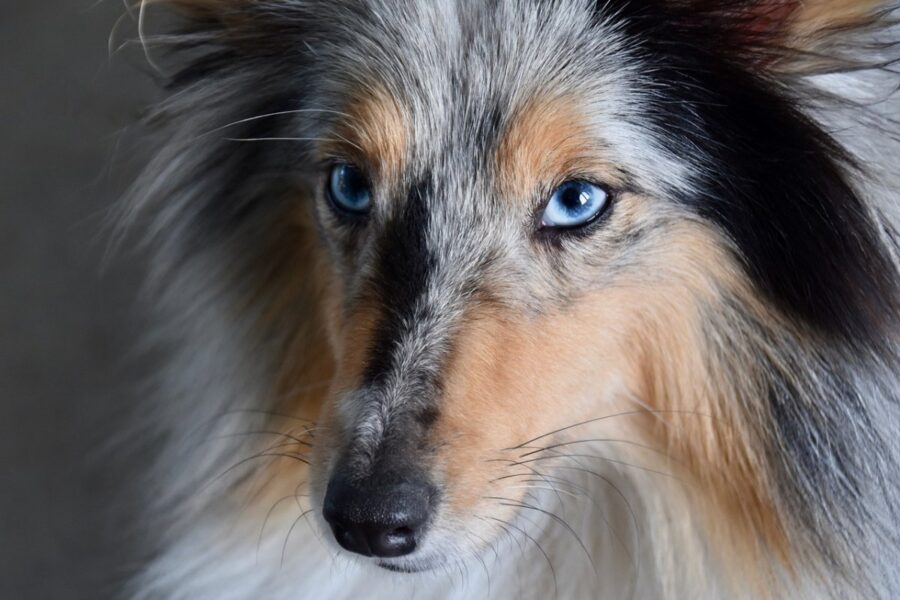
{"x": 286, "y": 71}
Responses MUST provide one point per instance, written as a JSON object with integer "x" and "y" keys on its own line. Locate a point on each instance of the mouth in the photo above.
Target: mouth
{"x": 401, "y": 568}
{"x": 408, "y": 566}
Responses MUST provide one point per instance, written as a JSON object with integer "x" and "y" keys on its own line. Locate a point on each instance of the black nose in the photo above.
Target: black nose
{"x": 384, "y": 520}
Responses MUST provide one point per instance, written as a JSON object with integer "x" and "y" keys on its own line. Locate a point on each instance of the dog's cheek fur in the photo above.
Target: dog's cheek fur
{"x": 513, "y": 379}
{"x": 703, "y": 345}
{"x": 707, "y": 409}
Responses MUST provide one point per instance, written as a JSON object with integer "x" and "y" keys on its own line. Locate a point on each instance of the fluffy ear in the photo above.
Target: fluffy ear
{"x": 801, "y": 20}
{"x": 790, "y": 35}
{"x": 815, "y": 19}
{"x": 819, "y": 35}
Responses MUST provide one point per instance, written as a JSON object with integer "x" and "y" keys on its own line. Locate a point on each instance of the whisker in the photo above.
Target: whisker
{"x": 290, "y": 139}
{"x": 463, "y": 579}
{"x": 275, "y": 114}
{"x": 636, "y": 559}
{"x": 477, "y": 555}
{"x": 214, "y": 420}
{"x": 584, "y": 494}
{"x": 295, "y": 439}
{"x": 634, "y": 522}
{"x": 598, "y": 419}
{"x": 283, "y": 445}
{"x": 607, "y": 459}
{"x": 255, "y": 457}
{"x": 488, "y": 544}
{"x": 509, "y": 534}
{"x": 288, "y": 536}
{"x": 266, "y": 520}
{"x": 332, "y": 554}
{"x": 554, "y": 516}
{"x": 581, "y": 490}
{"x": 539, "y": 547}
{"x": 142, "y": 35}
{"x": 529, "y": 467}
{"x": 590, "y": 440}
{"x": 540, "y": 487}
{"x": 255, "y": 491}
{"x": 277, "y": 139}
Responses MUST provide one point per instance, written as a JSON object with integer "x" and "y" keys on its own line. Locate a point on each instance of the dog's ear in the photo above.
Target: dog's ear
{"x": 804, "y": 24}
{"x": 781, "y": 34}
{"x": 812, "y": 19}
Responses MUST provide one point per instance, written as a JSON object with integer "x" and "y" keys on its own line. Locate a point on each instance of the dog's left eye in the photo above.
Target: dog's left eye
{"x": 348, "y": 189}
{"x": 574, "y": 203}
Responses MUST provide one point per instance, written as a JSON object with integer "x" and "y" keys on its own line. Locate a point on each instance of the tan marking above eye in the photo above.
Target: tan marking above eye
{"x": 374, "y": 131}
{"x": 549, "y": 140}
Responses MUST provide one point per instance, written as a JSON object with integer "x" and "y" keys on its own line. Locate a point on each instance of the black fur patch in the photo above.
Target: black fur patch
{"x": 405, "y": 264}
{"x": 771, "y": 180}
{"x": 777, "y": 187}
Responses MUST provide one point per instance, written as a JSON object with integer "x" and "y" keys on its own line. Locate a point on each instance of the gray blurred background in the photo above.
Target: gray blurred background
{"x": 68, "y": 327}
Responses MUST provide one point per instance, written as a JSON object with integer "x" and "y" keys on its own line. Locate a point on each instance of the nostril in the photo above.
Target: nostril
{"x": 351, "y": 538}
{"x": 393, "y": 542}
{"x": 385, "y": 521}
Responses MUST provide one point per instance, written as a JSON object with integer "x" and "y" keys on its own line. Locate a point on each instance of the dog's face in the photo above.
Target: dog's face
{"x": 531, "y": 215}
{"x": 501, "y": 252}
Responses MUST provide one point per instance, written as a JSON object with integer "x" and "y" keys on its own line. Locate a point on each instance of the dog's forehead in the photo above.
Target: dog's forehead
{"x": 445, "y": 84}
{"x": 461, "y": 66}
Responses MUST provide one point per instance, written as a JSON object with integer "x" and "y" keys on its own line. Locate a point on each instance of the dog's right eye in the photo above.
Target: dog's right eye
{"x": 573, "y": 204}
{"x": 349, "y": 189}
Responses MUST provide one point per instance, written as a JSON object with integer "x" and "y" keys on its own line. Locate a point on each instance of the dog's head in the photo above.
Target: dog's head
{"x": 542, "y": 223}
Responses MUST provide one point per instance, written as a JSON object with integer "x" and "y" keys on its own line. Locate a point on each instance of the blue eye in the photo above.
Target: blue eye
{"x": 349, "y": 189}
{"x": 574, "y": 203}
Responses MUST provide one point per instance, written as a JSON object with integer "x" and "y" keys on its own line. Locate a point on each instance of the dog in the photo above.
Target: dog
{"x": 523, "y": 298}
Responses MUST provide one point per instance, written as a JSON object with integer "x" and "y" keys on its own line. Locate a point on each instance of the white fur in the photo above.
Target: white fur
{"x": 648, "y": 548}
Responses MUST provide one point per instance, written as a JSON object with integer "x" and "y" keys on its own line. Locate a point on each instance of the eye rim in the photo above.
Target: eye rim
{"x": 582, "y": 227}
{"x": 340, "y": 208}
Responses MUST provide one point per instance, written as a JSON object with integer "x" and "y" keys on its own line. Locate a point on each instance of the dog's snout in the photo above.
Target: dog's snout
{"x": 384, "y": 520}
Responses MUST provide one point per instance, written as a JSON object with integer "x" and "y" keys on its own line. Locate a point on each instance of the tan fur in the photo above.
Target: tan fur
{"x": 512, "y": 377}
{"x": 322, "y": 368}
{"x": 303, "y": 380}
{"x": 548, "y": 141}
{"x": 515, "y": 378}
{"x": 374, "y": 132}
{"x": 811, "y": 29}
{"x": 816, "y": 17}
{"x": 705, "y": 427}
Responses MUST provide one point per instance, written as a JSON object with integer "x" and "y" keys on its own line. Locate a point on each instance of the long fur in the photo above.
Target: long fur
{"x": 800, "y": 331}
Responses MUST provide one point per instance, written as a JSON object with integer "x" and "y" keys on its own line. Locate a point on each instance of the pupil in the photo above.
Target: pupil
{"x": 352, "y": 182}
{"x": 574, "y": 198}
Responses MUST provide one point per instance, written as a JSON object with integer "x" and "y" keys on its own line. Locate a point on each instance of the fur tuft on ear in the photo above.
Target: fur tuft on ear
{"x": 790, "y": 35}
{"x": 814, "y": 19}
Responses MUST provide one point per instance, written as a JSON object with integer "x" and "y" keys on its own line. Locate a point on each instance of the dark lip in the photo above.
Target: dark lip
{"x": 401, "y": 568}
